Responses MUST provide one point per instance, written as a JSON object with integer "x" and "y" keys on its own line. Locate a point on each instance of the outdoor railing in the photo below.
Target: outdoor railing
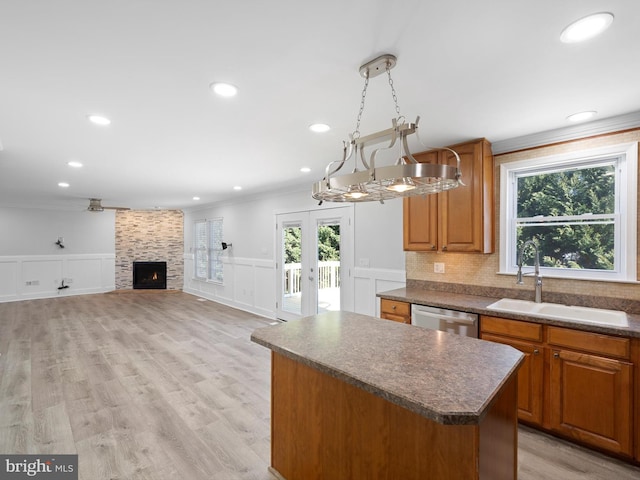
{"x": 328, "y": 276}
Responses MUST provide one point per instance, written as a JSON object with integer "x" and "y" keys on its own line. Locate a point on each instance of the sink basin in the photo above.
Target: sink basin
{"x": 557, "y": 311}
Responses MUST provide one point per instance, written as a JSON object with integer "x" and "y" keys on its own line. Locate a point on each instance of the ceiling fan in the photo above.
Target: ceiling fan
{"x": 95, "y": 205}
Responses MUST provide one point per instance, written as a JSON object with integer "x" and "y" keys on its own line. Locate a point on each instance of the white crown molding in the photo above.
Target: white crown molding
{"x": 573, "y": 132}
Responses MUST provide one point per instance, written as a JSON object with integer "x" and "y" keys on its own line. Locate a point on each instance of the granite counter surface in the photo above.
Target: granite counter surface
{"x": 447, "y": 378}
{"x": 478, "y": 304}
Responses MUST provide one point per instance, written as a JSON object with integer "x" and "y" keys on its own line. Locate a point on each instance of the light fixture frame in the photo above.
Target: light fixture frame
{"x": 376, "y": 183}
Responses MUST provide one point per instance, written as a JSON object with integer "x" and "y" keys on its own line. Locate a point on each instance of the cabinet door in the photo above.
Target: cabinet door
{"x": 591, "y": 399}
{"x": 420, "y": 220}
{"x": 530, "y": 379}
{"x": 466, "y": 213}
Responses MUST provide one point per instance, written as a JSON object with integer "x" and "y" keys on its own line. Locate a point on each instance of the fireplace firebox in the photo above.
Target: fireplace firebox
{"x": 148, "y": 275}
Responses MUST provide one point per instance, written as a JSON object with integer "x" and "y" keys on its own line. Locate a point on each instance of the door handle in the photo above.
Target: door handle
{"x": 311, "y": 277}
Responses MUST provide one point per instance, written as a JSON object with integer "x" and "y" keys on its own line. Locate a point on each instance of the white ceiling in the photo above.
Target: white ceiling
{"x": 469, "y": 68}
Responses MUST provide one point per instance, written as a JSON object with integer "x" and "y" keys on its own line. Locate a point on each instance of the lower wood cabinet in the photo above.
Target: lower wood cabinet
{"x": 526, "y": 337}
{"x": 576, "y": 384}
{"x": 591, "y": 388}
{"x": 395, "y": 310}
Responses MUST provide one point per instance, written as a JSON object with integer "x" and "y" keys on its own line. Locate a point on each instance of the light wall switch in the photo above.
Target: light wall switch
{"x": 438, "y": 267}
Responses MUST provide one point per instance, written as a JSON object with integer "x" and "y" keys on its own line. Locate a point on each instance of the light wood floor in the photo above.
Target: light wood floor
{"x": 165, "y": 386}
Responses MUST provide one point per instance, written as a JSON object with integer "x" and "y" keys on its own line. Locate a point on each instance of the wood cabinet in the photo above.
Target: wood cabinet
{"x": 526, "y": 337}
{"x": 395, "y": 310}
{"x": 576, "y": 384}
{"x": 459, "y": 220}
{"x": 591, "y": 395}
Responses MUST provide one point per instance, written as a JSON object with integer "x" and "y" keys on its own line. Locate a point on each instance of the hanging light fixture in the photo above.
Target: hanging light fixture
{"x": 407, "y": 177}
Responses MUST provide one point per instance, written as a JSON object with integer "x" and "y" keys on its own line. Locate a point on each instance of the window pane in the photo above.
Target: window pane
{"x": 580, "y": 246}
{"x": 575, "y": 191}
{"x": 200, "y": 249}
{"x": 216, "y": 269}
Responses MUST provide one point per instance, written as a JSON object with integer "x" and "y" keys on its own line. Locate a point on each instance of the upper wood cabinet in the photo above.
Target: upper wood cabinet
{"x": 459, "y": 220}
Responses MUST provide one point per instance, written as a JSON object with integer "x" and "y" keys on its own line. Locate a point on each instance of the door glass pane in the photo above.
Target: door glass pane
{"x": 292, "y": 255}
{"x": 328, "y": 267}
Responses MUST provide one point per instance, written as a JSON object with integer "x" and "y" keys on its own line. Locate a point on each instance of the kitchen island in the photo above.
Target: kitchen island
{"x": 356, "y": 397}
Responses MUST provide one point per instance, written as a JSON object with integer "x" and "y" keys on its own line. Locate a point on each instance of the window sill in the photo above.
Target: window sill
{"x": 587, "y": 279}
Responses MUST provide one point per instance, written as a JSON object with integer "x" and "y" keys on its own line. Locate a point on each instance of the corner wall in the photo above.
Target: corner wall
{"x": 33, "y": 266}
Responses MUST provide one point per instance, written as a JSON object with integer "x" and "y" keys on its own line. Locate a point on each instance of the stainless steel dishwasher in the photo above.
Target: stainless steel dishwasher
{"x": 445, "y": 320}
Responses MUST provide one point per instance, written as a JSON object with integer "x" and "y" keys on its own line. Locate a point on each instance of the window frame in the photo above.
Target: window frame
{"x": 626, "y": 155}
{"x": 212, "y": 248}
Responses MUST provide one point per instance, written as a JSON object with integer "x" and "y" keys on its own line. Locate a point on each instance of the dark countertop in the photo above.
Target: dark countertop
{"x": 478, "y": 304}
{"x": 448, "y": 378}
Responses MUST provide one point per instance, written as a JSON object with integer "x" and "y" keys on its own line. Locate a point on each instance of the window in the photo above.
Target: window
{"x": 579, "y": 208}
{"x": 208, "y": 263}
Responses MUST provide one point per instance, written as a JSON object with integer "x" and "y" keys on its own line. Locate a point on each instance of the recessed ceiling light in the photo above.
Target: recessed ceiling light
{"x": 586, "y": 27}
{"x": 98, "y": 119}
{"x": 74, "y": 164}
{"x": 582, "y": 116}
{"x": 224, "y": 89}
{"x": 319, "y": 127}
{"x": 305, "y": 169}
{"x": 196, "y": 198}
{"x": 237, "y": 187}
{"x": 63, "y": 185}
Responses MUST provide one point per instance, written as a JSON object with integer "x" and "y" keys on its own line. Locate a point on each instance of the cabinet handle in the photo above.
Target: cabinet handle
{"x": 536, "y": 352}
{"x": 444, "y": 248}
{"x": 433, "y": 247}
{"x": 556, "y": 355}
{"x": 393, "y": 307}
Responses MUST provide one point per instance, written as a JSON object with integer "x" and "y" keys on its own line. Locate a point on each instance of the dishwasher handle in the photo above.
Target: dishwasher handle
{"x": 448, "y": 318}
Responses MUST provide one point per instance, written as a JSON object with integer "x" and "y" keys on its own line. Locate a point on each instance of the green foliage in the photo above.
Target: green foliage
{"x": 328, "y": 243}
{"x": 292, "y": 246}
{"x": 575, "y": 244}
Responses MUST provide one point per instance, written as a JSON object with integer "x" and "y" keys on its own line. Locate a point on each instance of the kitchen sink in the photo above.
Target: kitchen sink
{"x": 558, "y": 311}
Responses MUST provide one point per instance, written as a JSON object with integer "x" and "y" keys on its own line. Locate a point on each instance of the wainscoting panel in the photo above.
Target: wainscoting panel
{"x": 40, "y": 276}
{"x": 249, "y": 285}
{"x": 368, "y": 282}
{"x": 8, "y": 280}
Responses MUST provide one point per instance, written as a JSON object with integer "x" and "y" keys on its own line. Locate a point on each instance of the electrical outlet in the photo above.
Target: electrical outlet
{"x": 363, "y": 262}
{"x": 438, "y": 267}
{"x": 31, "y": 283}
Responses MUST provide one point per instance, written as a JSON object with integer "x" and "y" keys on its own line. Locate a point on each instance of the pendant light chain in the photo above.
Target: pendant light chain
{"x": 356, "y": 133}
{"x": 393, "y": 94}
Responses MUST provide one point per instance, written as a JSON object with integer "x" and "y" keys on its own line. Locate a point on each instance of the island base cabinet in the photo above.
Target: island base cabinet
{"x": 324, "y": 428}
{"x": 591, "y": 399}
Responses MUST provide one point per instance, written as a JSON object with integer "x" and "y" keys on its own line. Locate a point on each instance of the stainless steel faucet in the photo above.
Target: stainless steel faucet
{"x": 536, "y": 270}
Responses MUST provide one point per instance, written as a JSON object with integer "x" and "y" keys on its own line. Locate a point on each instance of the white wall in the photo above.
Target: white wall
{"x": 250, "y": 276}
{"x": 28, "y": 253}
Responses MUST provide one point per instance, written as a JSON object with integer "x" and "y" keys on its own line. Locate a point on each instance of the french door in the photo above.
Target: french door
{"x": 314, "y": 262}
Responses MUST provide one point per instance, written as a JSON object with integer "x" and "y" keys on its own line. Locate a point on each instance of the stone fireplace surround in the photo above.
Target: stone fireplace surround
{"x": 149, "y": 236}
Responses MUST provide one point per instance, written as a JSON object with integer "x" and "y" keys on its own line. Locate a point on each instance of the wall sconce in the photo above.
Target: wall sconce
{"x": 60, "y": 242}
{"x": 226, "y": 245}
